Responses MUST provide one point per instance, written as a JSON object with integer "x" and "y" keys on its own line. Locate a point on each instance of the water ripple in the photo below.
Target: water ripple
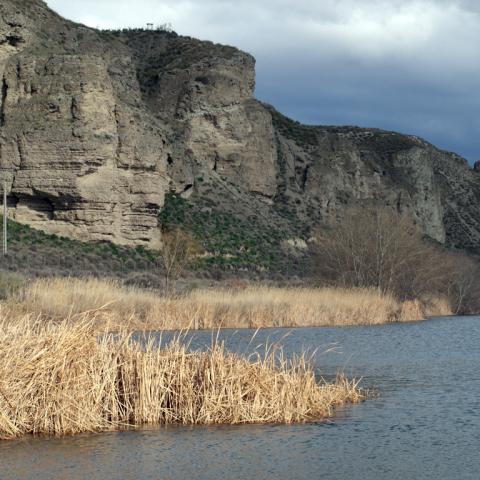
{"x": 423, "y": 424}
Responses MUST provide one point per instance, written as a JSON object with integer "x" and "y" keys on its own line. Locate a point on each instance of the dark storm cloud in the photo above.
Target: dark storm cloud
{"x": 407, "y": 65}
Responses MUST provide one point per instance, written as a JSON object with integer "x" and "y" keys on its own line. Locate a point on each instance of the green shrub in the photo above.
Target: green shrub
{"x": 10, "y": 284}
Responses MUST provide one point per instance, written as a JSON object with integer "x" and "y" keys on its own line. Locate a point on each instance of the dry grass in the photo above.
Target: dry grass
{"x": 300, "y": 307}
{"x": 59, "y": 379}
{"x": 249, "y": 307}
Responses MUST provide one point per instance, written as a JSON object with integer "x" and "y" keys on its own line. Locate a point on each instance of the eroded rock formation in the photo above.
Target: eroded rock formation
{"x": 95, "y": 128}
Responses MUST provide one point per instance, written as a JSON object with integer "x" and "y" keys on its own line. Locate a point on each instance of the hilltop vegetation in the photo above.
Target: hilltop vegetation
{"x": 233, "y": 241}
{"x": 232, "y": 245}
{"x": 34, "y": 253}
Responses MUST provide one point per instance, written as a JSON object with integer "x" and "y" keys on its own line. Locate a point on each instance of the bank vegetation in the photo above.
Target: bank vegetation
{"x": 60, "y": 378}
{"x": 386, "y": 251}
{"x": 118, "y": 306}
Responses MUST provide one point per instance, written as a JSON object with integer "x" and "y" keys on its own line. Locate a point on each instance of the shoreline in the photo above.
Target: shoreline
{"x": 60, "y": 379}
{"x": 119, "y": 307}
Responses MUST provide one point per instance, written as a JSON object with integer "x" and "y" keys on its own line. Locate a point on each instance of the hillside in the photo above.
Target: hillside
{"x": 109, "y": 136}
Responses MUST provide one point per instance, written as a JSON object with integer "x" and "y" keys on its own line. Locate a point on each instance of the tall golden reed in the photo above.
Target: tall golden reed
{"x": 253, "y": 307}
{"x": 59, "y": 378}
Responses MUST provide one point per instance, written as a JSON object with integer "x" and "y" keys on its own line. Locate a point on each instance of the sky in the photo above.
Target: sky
{"x": 411, "y": 66}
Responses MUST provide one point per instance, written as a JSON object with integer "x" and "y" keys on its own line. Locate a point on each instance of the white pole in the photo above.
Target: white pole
{"x": 5, "y": 213}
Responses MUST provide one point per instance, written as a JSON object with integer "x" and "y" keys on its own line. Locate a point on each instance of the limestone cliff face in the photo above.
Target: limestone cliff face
{"x": 95, "y": 128}
{"x": 329, "y": 168}
{"x": 80, "y": 156}
{"x": 204, "y": 92}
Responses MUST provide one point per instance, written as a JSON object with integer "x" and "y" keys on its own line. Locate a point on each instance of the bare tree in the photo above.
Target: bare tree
{"x": 178, "y": 250}
{"x": 382, "y": 249}
{"x": 464, "y": 283}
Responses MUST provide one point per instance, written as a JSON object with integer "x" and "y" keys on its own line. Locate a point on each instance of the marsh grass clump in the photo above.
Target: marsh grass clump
{"x": 248, "y": 307}
{"x": 62, "y": 379}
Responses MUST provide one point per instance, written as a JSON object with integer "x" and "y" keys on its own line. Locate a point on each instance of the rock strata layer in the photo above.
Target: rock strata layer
{"x": 96, "y": 127}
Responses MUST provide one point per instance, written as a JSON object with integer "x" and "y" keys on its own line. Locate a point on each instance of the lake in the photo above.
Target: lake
{"x": 422, "y": 421}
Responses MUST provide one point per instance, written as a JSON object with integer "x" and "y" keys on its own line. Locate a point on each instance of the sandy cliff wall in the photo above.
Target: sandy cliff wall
{"x": 95, "y": 128}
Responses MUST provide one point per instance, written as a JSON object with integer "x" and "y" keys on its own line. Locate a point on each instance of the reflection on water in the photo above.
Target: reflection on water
{"x": 424, "y": 423}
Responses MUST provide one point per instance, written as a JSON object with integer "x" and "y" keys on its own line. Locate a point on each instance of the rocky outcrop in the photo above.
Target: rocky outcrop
{"x": 204, "y": 92}
{"x": 95, "y": 128}
{"x": 80, "y": 156}
{"x": 334, "y": 167}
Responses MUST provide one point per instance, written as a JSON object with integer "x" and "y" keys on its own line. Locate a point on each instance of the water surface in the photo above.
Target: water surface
{"x": 423, "y": 424}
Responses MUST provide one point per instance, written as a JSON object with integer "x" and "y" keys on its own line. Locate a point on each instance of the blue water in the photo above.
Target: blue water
{"x": 422, "y": 423}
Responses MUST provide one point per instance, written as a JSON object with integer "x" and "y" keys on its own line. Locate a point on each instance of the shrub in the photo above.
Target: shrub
{"x": 10, "y": 283}
{"x": 377, "y": 248}
{"x": 178, "y": 251}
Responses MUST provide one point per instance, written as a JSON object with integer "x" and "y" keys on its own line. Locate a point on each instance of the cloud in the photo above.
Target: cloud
{"x": 409, "y": 65}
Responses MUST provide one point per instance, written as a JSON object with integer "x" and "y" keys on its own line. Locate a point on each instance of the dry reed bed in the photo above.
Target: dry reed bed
{"x": 253, "y": 307}
{"x": 59, "y": 379}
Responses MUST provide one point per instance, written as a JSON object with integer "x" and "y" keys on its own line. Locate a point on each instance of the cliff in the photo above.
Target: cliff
{"x": 98, "y": 130}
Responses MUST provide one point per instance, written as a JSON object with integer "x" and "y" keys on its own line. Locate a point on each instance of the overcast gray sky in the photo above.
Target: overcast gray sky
{"x": 406, "y": 65}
